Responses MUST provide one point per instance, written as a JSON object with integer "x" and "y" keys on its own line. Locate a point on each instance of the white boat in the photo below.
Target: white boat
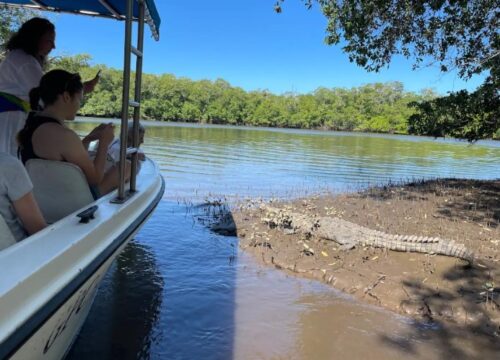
{"x": 50, "y": 279}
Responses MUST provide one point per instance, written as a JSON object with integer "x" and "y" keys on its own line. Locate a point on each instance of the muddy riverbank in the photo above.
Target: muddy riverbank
{"x": 444, "y": 290}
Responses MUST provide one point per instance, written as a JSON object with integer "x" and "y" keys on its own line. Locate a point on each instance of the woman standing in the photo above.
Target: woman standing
{"x": 20, "y": 71}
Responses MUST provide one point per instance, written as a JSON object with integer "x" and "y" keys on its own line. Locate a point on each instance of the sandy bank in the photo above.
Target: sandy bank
{"x": 440, "y": 289}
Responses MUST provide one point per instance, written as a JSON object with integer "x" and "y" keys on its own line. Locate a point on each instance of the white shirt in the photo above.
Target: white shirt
{"x": 19, "y": 73}
{"x": 14, "y": 184}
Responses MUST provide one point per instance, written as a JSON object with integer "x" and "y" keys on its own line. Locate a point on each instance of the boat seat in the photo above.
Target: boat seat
{"x": 6, "y": 237}
{"x": 60, "y": 188}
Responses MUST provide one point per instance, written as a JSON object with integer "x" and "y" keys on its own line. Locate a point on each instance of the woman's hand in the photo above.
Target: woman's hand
{"x": 88, "y": 86}
{"x": 106, "y": 134}
{"x": 93, "y": 135}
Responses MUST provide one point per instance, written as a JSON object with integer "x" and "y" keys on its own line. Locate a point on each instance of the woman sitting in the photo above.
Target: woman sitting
{"x": 17, "y": 204}
{"x": 46, "y": 137}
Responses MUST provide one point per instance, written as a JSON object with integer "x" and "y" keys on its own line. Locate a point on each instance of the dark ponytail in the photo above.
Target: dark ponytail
{"x": 35, "y": 98}
{"x": 24, "y": 135}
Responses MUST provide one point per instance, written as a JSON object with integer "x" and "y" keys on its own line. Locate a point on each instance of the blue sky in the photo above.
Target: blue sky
{"x": 246, "y": 43}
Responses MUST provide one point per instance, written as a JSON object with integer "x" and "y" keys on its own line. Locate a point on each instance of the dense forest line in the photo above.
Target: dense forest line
{"x": 379, "y": 107}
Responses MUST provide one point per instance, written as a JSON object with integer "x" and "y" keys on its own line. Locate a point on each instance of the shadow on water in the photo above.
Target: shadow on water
{"x": 125, "y": 310}
{"x": 169, "y": 295}
{"x": 199, "y": 294}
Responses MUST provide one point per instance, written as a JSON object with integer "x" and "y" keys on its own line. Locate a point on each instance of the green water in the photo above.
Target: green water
{"x": 232, "y": 161}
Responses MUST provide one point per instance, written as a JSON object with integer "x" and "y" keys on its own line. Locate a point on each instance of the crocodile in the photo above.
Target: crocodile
{"x": 348, "y": 234}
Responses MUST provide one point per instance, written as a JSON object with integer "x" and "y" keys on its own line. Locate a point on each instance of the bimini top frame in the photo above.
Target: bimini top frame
{"x": 116, "y": 9}
{"x": 142, "y": 11}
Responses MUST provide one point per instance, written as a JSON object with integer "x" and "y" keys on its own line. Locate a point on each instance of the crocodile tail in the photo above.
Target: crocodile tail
{"x": 455, "y": 250}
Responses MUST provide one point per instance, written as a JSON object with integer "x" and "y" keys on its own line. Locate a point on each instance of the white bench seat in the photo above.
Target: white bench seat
{"x": 60, "y": 188}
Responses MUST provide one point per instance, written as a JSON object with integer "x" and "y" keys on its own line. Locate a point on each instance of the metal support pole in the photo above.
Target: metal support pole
{"x": 110, "y": 8}
{"x": 40, "y": 4}
{"x": 137, "y": 95}
{"x": 125, "y": 100}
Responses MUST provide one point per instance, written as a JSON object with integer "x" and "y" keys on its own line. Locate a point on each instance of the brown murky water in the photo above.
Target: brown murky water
{"x": 304, "y": 320}
{"x": 179, "y": 291}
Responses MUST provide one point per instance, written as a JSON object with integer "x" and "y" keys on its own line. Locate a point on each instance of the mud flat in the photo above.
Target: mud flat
{"x": 462, "y": 298}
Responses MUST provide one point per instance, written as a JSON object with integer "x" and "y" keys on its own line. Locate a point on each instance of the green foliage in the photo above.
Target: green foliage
{"x": 75, "y": 64}
{"x": 106, "y": 99}
{"x": 462, "y": 114}
{"x": 454, "y": 34}
{"x": 375, "y": 107}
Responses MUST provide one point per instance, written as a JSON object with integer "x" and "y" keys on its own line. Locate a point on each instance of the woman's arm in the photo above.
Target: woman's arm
{"x": 74, "y": 152}
{"x": 88, "y": 86}
{"x": 28, "y": 211}
{"x": 17, "y": 188}
{"x": 92, "y": 136}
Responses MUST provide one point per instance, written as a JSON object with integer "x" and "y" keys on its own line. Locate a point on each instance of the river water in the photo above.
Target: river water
{"x": 179, "y": 291}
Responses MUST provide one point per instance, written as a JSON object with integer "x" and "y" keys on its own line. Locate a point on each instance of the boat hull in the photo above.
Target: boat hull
{"x": 55, "y": 337}
{"x": 56, "y": 272}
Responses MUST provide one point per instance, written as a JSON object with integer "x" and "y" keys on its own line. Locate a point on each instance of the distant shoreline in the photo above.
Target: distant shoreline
{"x": 188, "y": 124}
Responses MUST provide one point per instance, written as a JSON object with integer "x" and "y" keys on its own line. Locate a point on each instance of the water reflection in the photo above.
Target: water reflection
{"x": 197, "y": 319}
{"x": 232, "y": 161}
{"x": 125, "y": 312}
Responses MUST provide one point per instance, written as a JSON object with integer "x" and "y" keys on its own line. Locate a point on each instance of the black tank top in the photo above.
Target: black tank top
{"x": 33, "y": 122}
{"x": 25, "y": 150}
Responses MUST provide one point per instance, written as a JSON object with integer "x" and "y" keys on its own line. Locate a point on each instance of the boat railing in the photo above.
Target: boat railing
{"x": 130, "y": 50}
